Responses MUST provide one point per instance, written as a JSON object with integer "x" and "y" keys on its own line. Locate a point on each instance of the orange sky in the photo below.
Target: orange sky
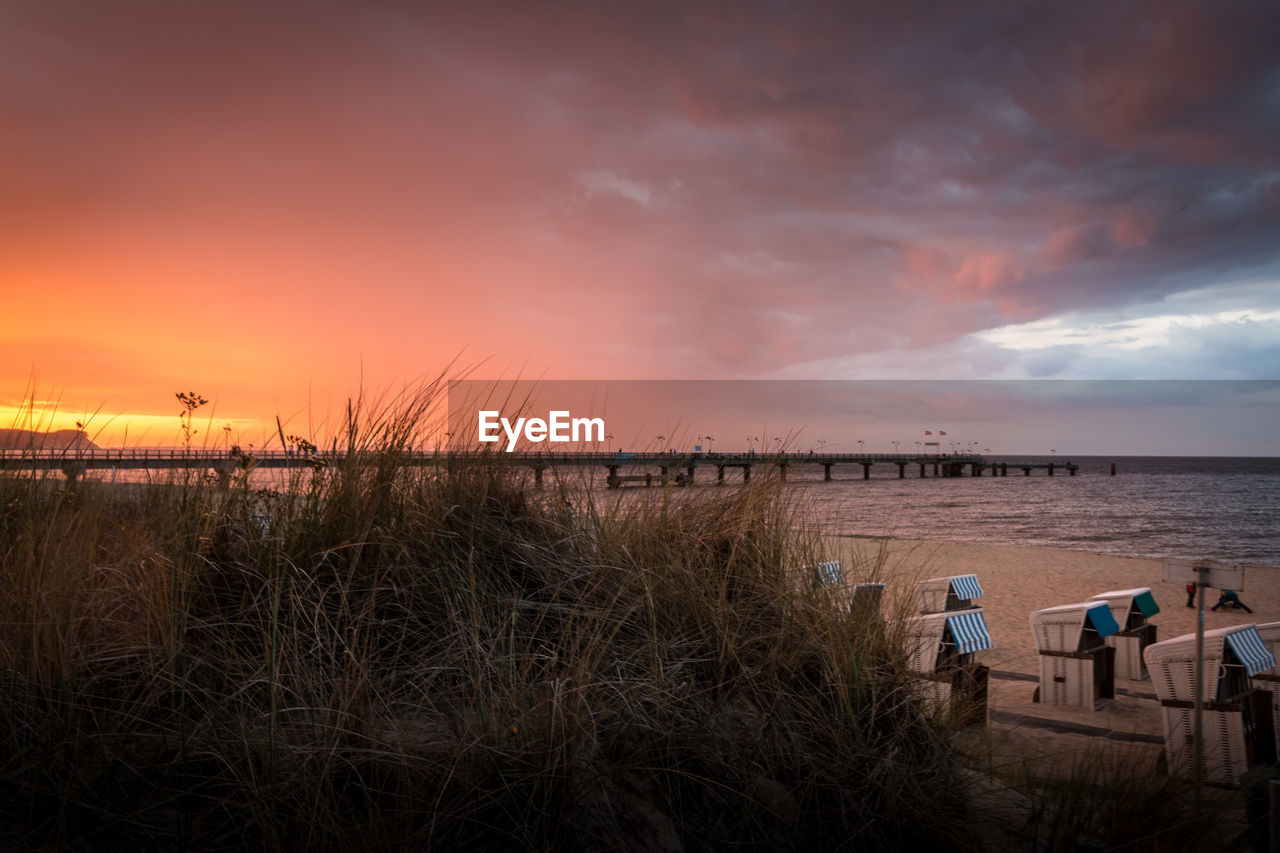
{"x": 277, "y": 206}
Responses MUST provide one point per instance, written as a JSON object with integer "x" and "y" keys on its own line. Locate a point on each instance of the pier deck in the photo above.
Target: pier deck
{"x": 668, "y": 464}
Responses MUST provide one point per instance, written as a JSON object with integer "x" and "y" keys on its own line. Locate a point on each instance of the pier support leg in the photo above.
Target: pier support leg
{"x": 902, "y": 470}
{"x": 612, "y": 481}
{"x": 1026, "y": 472}
{"x": 866, "y": 470}
{"x": 977, "y": 469}
{"x": 935, "y": 469}
{"x": 921, "y": 470}
{"x": 537, "y": 478}
{"x": 1050, "y": 469}
{"x": 826, "y": 470}
{"x": 782, "y": 471}
{"x": 746, "y": 473}
{"x": 1004, "y": 469}
{"x": 689, "y": 471}
{"x": 720, "y": 475}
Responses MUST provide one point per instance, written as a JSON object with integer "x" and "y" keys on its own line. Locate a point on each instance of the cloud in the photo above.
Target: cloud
{"x": 670, "y": 189}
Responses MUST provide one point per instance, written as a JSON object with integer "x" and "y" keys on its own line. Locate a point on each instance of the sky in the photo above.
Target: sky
{"x": 280, "y": 205}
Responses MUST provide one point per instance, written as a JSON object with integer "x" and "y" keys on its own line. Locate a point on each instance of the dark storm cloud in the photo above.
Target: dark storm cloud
{"x": 758, "y": 185}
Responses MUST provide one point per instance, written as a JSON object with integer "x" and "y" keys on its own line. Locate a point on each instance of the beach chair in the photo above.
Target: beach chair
{"x": 1077, "y": 667}
{"x": 1236, "y": 721}
{"x": 830, "y": 574}
{"x": 941, "y": 595}
{"x": 1131, "y": 608}
{"x": 943, "y": 653}
{"x": 1269, "y": 679}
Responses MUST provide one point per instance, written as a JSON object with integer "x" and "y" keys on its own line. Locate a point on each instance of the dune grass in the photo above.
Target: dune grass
{"x": 377, "y": 656}
{"x": 381, "y": 656}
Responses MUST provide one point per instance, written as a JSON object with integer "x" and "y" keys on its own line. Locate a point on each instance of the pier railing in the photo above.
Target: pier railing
{"x": 73, "y": 461}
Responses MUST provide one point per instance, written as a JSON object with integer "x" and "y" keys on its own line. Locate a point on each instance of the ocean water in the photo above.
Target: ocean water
{"x": 1220, "y": 508}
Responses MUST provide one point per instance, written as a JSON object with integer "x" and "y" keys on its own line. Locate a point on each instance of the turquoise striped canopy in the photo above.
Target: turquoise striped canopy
{"x": 969, "y": 631}
{"x": 1251, "y": 651}
{"x": 966, "y": 586}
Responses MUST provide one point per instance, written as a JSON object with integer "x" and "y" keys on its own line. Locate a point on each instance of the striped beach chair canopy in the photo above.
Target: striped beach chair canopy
{"x": 938, "y": 594}
{"x": 967, "y": 629}
{"x": 966, "y": 586}
{"x": 830, "y": 573}
{"x": 1172, "y": 662}
{"x": 1251, "y": 651}
{"x": 1269, "y": 632}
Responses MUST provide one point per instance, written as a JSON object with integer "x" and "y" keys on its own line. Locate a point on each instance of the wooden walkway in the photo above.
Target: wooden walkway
{"x": 623, "y": 467}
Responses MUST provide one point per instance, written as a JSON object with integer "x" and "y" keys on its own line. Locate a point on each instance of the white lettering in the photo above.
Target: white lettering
{"x": 487, "y": 423}
{"x": 512, "y": 434}
{"x": 559, "y": 421}
{"x": 560, "y": 427}
{"x": 588, "y": 424}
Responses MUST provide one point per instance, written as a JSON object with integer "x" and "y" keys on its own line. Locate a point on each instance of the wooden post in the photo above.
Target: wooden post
{"x": 1113, "y": 469}
{"x": 691, "y": 470}
{"x": 866, "y": 470}
{"x": 720, "y": 474}
{"x": 921, "y": 470}
{"x": 782, "y": 470}
{"x": 902, "y": 470}
{"x": 612, "y": 480}
{"x": 746, "y": 473}
{"x": 826, "y": 470}
{"x": 1050, "y": 469}
{"x": 1004, "y": 469}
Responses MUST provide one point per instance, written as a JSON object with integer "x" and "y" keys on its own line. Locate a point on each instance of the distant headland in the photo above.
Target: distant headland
{"x": 58, "y": 439}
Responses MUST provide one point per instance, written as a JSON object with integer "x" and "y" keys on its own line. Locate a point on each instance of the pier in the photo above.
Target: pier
{"x": 623, "y": 468}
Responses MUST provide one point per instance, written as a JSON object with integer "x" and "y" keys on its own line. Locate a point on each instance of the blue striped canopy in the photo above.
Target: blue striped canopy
{"x": 966, "y": 586}
{"x": 1103, "y": 622}
{"x": 969, "y": 630}
{"x": 1251, "y": 651}
{"x": 830, "y": 574}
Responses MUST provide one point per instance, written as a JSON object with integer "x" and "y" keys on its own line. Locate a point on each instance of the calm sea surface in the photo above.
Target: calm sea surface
{"x": 1228, "y": 509}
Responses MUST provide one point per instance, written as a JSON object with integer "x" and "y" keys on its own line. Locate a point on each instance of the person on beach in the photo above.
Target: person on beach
{"x": 1230, "y": 599}
{"x": 1191, "y": 595}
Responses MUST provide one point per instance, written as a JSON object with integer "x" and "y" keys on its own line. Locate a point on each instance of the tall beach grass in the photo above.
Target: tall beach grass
{"x": 377, "y": 656}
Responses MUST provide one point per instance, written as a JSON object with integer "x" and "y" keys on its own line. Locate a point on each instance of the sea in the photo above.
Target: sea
{"x": 1218, "y": 508}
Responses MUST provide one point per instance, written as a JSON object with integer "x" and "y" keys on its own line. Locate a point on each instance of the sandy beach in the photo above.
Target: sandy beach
{"x": 1017, "y": 580}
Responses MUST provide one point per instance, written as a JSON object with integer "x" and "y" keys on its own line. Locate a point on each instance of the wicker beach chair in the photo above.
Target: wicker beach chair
{"x": 940, "y": 595}
{"x": 1236, "y": 715}
{"x": 1131, "y": 608}
{"x": 943, "y": 653}
{"x": 1077, "y": 667}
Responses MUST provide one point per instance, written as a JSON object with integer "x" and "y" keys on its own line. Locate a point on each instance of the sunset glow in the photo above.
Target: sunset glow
{"x": 279, "y": 205}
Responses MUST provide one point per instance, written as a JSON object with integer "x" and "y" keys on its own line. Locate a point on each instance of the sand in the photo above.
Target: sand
{"x": 1017, "y": 580}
